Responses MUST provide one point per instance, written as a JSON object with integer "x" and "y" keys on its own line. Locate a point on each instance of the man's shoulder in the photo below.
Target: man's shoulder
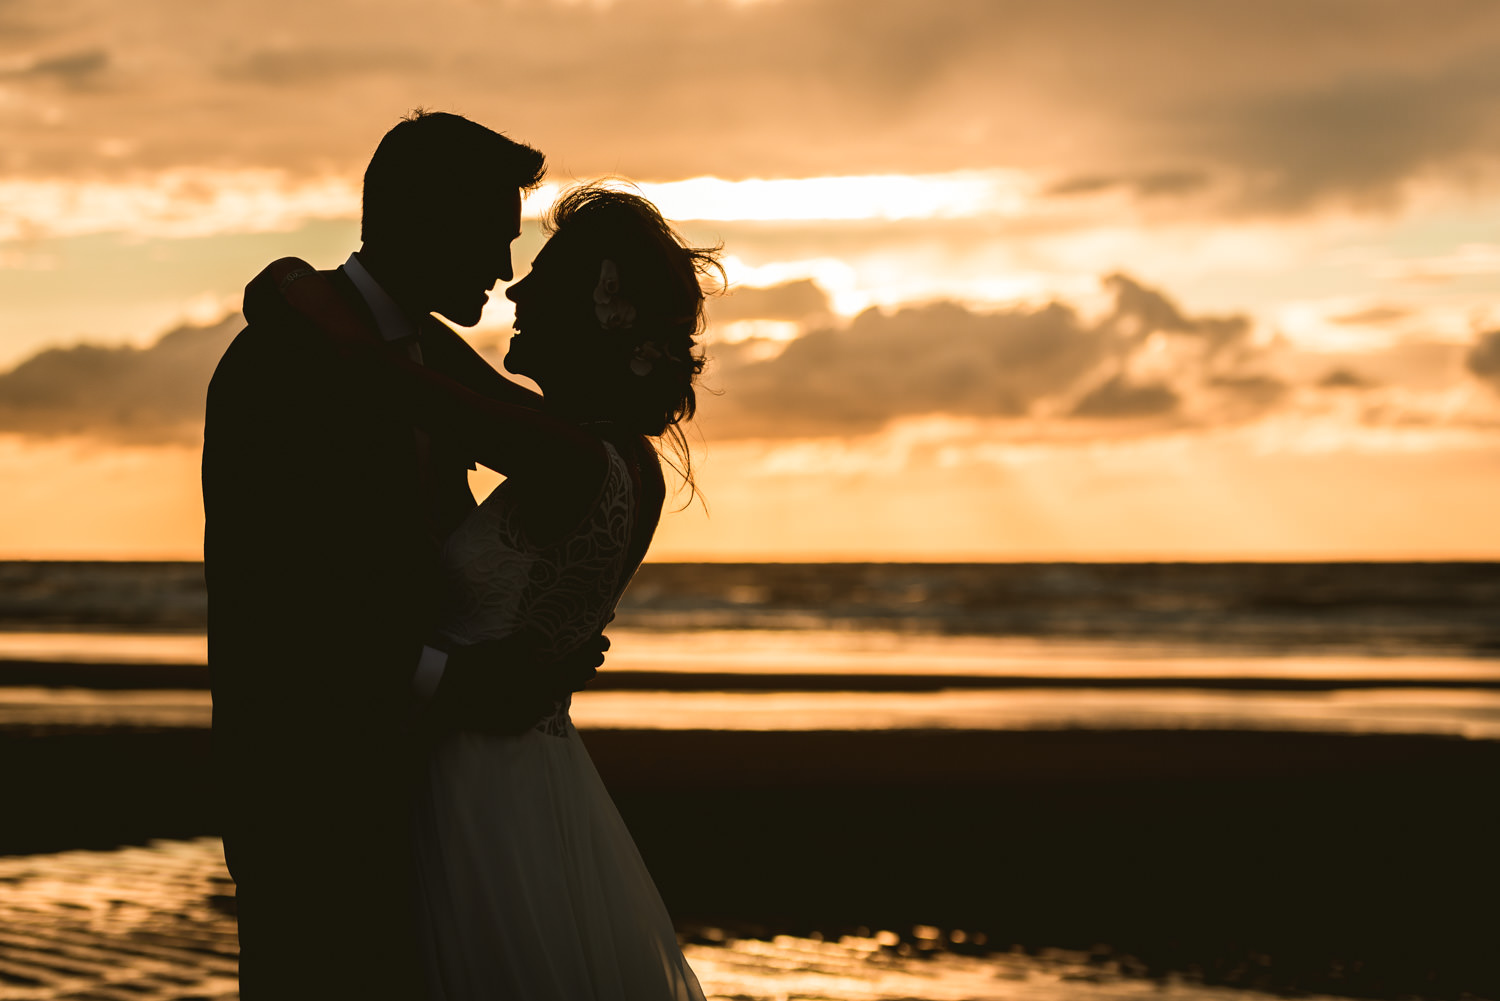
{"x": 269, "y": 314}
{"x": 258, "y": 351}
{"x": 273, "y": 329}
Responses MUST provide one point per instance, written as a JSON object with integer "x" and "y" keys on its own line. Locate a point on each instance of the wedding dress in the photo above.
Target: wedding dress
{"x": 529, "y": 884}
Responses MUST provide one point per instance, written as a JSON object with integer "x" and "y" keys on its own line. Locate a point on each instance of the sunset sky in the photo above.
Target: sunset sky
{"x": 1070, "y": 279}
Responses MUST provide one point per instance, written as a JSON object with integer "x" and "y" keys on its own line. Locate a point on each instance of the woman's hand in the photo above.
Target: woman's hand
{"x": 312, "y": 295}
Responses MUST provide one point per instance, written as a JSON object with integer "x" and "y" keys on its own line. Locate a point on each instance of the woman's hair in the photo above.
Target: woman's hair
{"x": 661, "y": 276}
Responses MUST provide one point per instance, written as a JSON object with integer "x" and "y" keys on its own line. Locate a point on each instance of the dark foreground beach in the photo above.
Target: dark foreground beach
{"x": 154, "y": 923}
{"x": 1355, "y": 865}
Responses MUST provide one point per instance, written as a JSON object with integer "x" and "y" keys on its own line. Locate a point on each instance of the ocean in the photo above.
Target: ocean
{"x": 1392, "y": 608}
{"x": 1340, "y": 647}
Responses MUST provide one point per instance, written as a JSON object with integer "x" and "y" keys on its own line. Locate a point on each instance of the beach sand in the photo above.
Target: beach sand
{"x": 1324, "y": 863}
{"x": 155, "y": 922}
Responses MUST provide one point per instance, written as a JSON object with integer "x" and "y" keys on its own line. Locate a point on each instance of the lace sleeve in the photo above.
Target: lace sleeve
{"x": 575, "y": 582}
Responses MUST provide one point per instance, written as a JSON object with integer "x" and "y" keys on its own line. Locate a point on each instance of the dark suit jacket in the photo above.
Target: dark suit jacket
{"x": 321, "y": 558}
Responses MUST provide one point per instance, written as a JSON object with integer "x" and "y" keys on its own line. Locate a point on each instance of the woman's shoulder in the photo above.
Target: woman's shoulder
{"x": 554, "y": 505}
{"x": 624, "y": 469}
{"x": 636, "y": 459}
{"x": 632, "y": 482}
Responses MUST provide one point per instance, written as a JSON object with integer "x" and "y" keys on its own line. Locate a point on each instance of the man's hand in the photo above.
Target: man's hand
{"x": 574, "y": 671}
{"x": 505, "y": 687}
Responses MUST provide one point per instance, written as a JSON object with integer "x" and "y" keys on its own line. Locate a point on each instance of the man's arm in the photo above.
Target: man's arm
{"x": 315, "y": 587}
{"x": 504, "y": 686}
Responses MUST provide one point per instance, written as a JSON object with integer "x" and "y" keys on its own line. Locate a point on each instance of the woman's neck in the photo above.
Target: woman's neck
{"x": 575, "y": 404}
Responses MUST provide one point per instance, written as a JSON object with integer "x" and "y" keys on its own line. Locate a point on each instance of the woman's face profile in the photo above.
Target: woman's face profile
{"x": 554, "y": 315}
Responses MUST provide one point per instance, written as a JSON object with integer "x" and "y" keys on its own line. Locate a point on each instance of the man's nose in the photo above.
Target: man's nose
{"x": 507, "y": 271}
{"x": 511, "y": 292}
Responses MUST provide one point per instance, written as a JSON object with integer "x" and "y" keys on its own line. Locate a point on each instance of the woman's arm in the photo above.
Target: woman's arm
{"x": 510, "y": 439}
{"x": 296, "y": 283}
{"x": 513, "y": 439}
{"x": 457, "y": 359}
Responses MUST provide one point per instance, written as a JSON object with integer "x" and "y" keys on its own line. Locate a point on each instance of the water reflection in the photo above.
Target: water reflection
{"x": 105, "y": 647}
{"x": 834, "y": 651}
{"x": 1465, "y": 713}
{"x": 1473, "y": 714}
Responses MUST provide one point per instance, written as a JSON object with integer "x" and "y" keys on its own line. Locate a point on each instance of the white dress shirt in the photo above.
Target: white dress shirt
{"x": 393, "y": 324}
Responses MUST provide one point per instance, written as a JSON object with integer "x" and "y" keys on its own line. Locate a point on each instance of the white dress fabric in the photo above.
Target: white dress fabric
{"x": 529, "y": 884}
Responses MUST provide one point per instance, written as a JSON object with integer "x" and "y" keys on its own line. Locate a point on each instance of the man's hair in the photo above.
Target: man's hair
{"x": 433, "y": 165}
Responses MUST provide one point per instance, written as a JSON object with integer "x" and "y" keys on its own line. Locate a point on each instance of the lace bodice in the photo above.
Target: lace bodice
{"x": 499, "y": 580}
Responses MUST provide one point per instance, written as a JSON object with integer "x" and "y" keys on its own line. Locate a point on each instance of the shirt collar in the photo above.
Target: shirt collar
{"x": 390, "y": 320}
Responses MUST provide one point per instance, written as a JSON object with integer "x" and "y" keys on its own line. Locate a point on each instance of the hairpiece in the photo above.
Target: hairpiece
{"x": 614, "y": 311}
{"x": 643, "y": 358}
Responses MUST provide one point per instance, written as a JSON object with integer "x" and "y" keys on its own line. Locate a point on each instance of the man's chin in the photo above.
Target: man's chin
{"x": 460, "y": 318}
{"x": 465, "y": 315}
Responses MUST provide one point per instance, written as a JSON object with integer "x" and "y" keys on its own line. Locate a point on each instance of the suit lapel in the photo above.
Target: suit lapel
{"x": 409, "y": 460}
{"x": 450, "y": 495}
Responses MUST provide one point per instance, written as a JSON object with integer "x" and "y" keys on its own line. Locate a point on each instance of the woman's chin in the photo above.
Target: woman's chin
{"x": 515, "y": 362}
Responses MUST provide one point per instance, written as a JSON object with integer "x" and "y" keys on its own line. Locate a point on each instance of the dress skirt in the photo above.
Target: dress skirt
{"x": 529, "y": 884}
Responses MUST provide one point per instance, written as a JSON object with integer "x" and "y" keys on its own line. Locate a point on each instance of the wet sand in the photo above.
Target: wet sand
{"x": 1329, "y": 695}
{"x": 1310, "y": 862}
{"x": 156, "y": 923}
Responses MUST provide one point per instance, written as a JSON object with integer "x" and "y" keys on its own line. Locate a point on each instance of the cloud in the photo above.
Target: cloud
{"x": 1250, "y": 393}
{"x": 1374, "y": 316}
{"x": 1417, "y": 365}
{"x": 126, "y": 394}
{"x": 320, "y": 65}
{"x": 944, "y": 358}
{"x": 1343, "y": 378}
{"x": 1470, "y": 259}
{"x": 1289, "y": 102}
{"x": 795, "y": 300}
{"x": 1145, "y": 310}
{"x": 1119, "y": 398}
{"x": 931, "y": 359}
{"x": 1484, "y": 358}
{"x": 1162, "y": 183}
{"x": 78, "y": 70}
{"x": 180, "y": 204}
{"x": 1357, "y": 138}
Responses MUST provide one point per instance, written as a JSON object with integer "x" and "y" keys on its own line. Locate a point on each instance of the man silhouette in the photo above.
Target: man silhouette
{"x": 325, "y": 511}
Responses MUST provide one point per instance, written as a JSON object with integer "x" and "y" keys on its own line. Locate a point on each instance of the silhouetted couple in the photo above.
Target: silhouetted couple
{"x": 409, "y": 811}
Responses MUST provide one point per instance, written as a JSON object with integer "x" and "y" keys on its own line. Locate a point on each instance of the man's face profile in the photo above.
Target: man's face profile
{"x": 473, "y": 254}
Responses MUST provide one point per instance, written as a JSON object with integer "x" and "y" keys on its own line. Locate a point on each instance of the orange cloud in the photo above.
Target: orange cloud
{"x": 1022, "y": 362}
{"x": 1143, "y": 366}
{"x": 140, "y": 395}
{"x": 1280, "y": 104}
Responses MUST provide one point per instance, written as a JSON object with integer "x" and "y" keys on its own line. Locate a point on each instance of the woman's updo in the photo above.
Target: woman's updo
{"x": 653, "y": 313}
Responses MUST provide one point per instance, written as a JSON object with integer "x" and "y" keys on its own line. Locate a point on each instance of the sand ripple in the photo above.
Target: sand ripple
{"x": 155, "y": 923}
